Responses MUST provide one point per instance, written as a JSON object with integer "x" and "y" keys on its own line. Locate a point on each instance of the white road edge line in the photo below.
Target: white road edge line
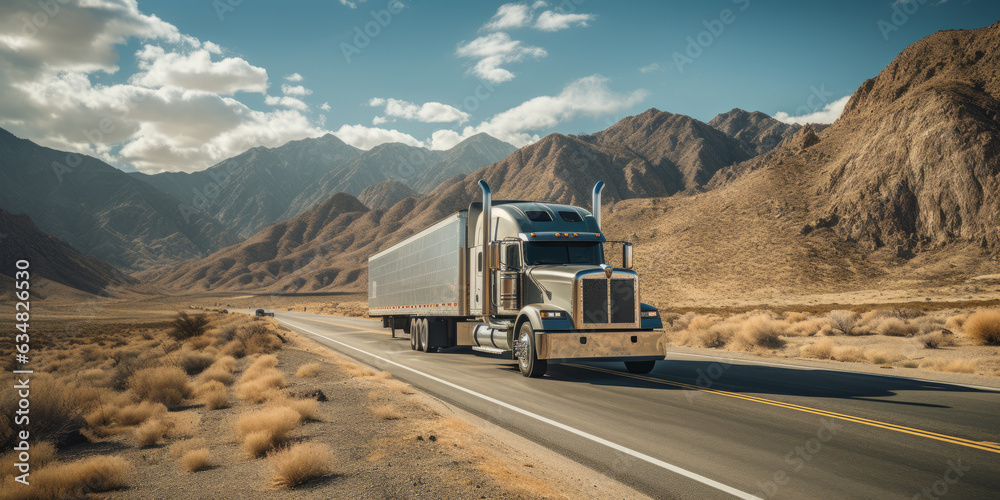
{"x": 641, "y": 456}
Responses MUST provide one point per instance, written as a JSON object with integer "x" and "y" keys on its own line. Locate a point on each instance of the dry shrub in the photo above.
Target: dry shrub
{"x": 163, "y": 384}
{"x": 983, "y": 327}
{"x": 936, "y": 339}
{"x": 300, "y": 463}
{"x": 956, "y": 322}
{"x": 213, "y": 394}
{"x": 194, "y": 362}
{"x": 178, "y": 449}
{"x": 955, "y": 365}
{"x": 387, "y": 412}
{"x": 263, "y": 430}
{"x": 795, "y": 316}
{"x": 681, "y": 323}
{"x": 95, "y": 377}
{"x": 42, "y": 453}
{"x": 234, "y": 349}
{"x": 138, "y": 413}
{"x": 356, "y": 370}
{"x": 848, "y": 354}
{"x": 761, "y": 330}
{"x": 196, "y": 460}
{"x": 928, "y": 324}
{"x": 57, "y": 409}
{"x": 73, "y": 480}
{"x": 185, "y": 327}
{"x": 821, "y": 349}
{"x": 216, "y": 373}
{"x": 201, "y": 342}
{"x": 308, "y": 370}
{"x": 843, "y": 321}
{"x": 669, "y": 317}
{"x": 718, "y": 335}
{"x": 151, "y": 433}
{"x": 883, "y": 357}
{"x": 257, "y": 338}
{"x": 895, "y": 327}
{"x": 810, "y": 327}
{"x": 259, "y": 379}
{"x": 308, "y": 409}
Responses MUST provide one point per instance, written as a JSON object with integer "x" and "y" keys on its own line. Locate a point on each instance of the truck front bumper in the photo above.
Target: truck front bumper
{"x": 600, "y": 344}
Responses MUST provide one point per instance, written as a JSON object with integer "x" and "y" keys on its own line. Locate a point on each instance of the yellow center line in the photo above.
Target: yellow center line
{"x": 991, "y": 447}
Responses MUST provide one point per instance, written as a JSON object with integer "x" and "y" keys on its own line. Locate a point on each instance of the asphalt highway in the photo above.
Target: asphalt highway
{"x": 703, "y": 427}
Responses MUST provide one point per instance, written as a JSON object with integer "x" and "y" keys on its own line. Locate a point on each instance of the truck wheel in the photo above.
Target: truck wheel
{"x": 639, "y": 366}
{"x": 425, "y": 336}
{"x": 528, "y": 360}
{"x": 413, "y": 334}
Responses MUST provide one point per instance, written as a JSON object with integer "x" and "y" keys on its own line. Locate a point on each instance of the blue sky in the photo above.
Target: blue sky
{"x": 182, "y": 84}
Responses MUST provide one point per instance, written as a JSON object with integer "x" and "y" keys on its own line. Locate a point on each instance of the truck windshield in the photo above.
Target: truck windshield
{"x": 558, "y": 252}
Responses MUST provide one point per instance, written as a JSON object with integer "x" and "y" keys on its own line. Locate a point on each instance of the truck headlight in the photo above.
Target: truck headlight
{"x": 553, "y": 315}
{"x": 650, "y": 314}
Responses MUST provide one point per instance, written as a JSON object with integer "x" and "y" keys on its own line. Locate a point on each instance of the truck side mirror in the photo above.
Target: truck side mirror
{"x": 627, "y": 256}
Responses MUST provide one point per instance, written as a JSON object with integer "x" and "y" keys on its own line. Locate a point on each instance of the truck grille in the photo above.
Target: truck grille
{"x": 608, "y": 302}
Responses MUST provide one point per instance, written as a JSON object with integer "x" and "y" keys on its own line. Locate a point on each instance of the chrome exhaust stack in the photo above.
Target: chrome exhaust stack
{"x": 596, "y": 203}
{"x": 487, "y": 220}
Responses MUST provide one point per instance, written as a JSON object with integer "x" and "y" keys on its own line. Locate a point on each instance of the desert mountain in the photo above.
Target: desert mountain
{"x": 385, "y": 194}
{"x": 51, "y": 258}
{"x": 99, "y": 209}
{"x": 421, "y": 169}
{"x": 556, "y": 168}
{"x": 757, "y": 132}
{"x": 266, "y": 185}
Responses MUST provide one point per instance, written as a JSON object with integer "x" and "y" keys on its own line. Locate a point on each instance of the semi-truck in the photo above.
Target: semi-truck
{"x": 522, "y": 279}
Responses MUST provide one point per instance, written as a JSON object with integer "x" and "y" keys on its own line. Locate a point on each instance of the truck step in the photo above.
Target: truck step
{"x": 490, "y": 350}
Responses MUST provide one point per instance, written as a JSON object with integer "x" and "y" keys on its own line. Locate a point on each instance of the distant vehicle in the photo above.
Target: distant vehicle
{"x": 527, "y": 279}
{"x": 261, "y": 312}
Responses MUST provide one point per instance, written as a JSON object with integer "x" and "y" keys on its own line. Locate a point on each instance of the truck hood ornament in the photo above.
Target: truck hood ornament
{"x": 608, "y": 270}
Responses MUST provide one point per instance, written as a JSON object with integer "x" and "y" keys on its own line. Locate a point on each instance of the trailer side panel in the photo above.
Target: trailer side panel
{"x": 421, "y": 275}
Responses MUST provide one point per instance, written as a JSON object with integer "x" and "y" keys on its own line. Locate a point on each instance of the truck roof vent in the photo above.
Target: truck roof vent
{"x": 568, "y": 216}
{"x": 538, "y": 215}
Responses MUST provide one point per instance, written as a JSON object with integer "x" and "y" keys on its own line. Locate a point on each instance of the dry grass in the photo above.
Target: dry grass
{"x": 387, "y": 412}
{"x": 956, "y": 322}
{"x": 308, "y": 409}
{"x": 178, "y": 449}
{"x": 151, "y": 433}
{"x": 848, "y": 354}
{"x": 937, "y": 339}
{"x": 821, "y": 349}
{"x": 983, "y": 327}
{"x": 260, "y": 379}
{"x": 186, "y": 326}
{"x": 194, "y": 362}
{"x": 196, "y": 460}
{"x": 298, "y": 464}
{"x": 41, "y": 453}
{"x": 810, "y": 326}
{"x": 880, "y": 357}
{"x": 954, "y": 366}
{"x": 308, "y": 370}
{"x": 213, "y": 394}
{"x": 263, "y": 430}
{"x": 760, "y": 330}
{"x": 895, "y": 327}
{"x": 72, "y": 480}
{"x": 221, "y": 370}
{"x": 163, "y": 384}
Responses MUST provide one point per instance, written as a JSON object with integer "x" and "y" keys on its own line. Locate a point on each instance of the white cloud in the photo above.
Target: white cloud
{"x": 364, "y": 137}
{"x": 496, "y": 49}
{"x": 588, "y": 96}
{"x": 294, "y": 77}
{"x": 197, "y": 71}
{"x": 298, "y": 90}
{"x": 510, "y": 16}
{"x": 325, "y": 106}
{"x": 288, "y": 102}
{"x": 175, "y": 113}
{"x": 554, "y": 21}
{"x": 351, "y": 4}
{"x": 828, "y": 114}
{"x": 650, "y": 68}
{"x": 428, "y": 112}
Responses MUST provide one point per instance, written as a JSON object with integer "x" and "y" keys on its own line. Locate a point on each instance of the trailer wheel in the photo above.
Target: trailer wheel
{"x": 425, "y": 336}
{"x": 413, "y": 334}
{"x": 527, "y": 359}
{"x": 639, "y": 366}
